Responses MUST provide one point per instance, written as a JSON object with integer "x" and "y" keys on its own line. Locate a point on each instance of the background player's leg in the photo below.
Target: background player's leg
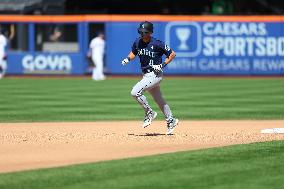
{"x": 94, "y": 74}
{"x": 157, "y": 96}
{"x": 2, "y": 68}
{"x": 1, "y": 72}
{"x": 99, "y": 68}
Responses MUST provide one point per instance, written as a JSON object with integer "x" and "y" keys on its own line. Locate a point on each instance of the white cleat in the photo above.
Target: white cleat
{"x": 149, "y": 117}
{"x": 171, "y": 124}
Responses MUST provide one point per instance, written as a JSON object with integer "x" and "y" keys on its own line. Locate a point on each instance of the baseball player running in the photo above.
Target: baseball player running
{"x": 150, "y": 52}
{"x": 3, "y": 44}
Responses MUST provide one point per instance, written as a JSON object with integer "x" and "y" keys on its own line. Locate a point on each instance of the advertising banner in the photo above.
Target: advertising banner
{"x": 46, "y": 63}
{"x": 222, "y": 48}
{"x": 204, "y": 46}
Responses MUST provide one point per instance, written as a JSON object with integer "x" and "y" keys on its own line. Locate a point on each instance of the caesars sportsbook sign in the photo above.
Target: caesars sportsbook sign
{"x": 226, "y": 47}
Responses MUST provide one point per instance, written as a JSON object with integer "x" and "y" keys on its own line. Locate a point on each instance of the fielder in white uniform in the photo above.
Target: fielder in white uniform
{"x": 150, "y": 52}
{"x": 3, "y": 65}
{"x": 97, "y": 47}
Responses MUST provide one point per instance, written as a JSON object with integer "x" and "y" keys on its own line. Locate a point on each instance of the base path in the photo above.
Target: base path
{"x": 26, "y": 146}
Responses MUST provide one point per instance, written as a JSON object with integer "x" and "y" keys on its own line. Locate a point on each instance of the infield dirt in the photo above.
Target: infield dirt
{"x": 25, "y": 146}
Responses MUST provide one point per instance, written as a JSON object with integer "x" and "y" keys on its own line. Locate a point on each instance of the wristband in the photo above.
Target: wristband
{"x": 128, "y": 58}
{"x": 164, "y": 64}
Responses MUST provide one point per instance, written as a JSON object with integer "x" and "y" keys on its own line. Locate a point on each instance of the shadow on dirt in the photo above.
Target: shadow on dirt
{"x": 149, "y": 134}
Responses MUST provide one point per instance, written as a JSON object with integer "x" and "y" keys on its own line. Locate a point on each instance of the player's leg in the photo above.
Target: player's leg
{"x": 138, "y": 93}
{"x": 2, "y": 68}
{"x": 1, "y": 71}
{"x": 158, "y": 97}
{"x": 100, "y": 67}
{"x": 165, "y": 108}
{"x": 94, "y": 73}
{"x": 148, "y": 82}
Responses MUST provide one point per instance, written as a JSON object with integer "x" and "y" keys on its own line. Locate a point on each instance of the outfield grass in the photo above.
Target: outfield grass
{"x": 253, "y": 166}
{"x": 27, "y": 100}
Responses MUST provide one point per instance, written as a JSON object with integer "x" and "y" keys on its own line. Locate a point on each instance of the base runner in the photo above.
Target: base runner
{"x": 150, "y": 52}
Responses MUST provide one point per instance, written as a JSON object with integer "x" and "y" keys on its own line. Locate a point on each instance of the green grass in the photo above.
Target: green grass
{"x": 79, "y": 99}
{"x": 253, "y": 166}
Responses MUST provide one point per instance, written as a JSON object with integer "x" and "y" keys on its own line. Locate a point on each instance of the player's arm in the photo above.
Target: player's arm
{"x": 130, "y": 57}
{"x": 12, "y": 32}
{"x": 170, "y": 58}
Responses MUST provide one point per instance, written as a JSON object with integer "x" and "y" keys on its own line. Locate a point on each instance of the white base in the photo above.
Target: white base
{"x": 273, "y": 131}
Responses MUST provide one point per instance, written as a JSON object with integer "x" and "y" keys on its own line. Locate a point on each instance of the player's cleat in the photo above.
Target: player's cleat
{"x": 149, "y": 117}
{"x": 171, "y": 124}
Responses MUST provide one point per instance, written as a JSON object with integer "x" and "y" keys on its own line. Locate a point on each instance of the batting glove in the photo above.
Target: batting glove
{"x": 157, "y": 68}
{"x": 125, "y": 61}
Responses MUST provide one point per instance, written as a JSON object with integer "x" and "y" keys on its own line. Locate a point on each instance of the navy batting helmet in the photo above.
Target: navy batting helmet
{"x": 145, "y": 27}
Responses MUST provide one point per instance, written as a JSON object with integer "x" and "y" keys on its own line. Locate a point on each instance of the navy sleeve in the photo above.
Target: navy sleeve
{"x": 134, "y": 48}
{"x": 165, "y": 49}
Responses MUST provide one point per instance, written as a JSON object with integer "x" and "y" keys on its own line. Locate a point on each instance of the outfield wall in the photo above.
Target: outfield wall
{"x": 205, "y": 45}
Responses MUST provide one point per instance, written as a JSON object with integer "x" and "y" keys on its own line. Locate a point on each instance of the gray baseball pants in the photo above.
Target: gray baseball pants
{"x": 151, "y": 83}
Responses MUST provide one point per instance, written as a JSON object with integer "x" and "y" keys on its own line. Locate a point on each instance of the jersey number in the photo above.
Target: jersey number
{"x": 151, "y": 63}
